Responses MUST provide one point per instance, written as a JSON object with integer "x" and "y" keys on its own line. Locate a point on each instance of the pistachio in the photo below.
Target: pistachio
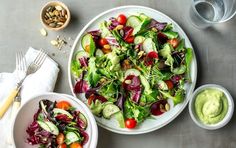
{"x": 51, "y": 14}
{"x": 48, "y": 15}
{"x": 43, "y": 32}
{"x": 167, "y": 106}
{"x": 58, "y": 7}
{"x": 54, "y": 42}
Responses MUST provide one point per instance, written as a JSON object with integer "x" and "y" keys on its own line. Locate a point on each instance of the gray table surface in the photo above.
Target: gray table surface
{"x": 215, "y": 49}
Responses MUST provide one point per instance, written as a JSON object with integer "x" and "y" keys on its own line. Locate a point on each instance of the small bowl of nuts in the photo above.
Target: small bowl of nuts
{"x": 55, "y": 15}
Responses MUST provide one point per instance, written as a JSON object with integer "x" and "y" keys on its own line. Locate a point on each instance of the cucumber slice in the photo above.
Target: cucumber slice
{"x": 87, "y": 40}
{"x": 120, "y": 118}
{"x": 133, "y": 21}
{"x": 62, "y": 111}
{"x": 83, "y": 118}
{"x": 109, "y": 110}
{"x": 71, "y": 137}
{"x": 149, "y": 45}
{"x": 81, "y": 54}
{"x": 132, "y": 72}
{"x": 146, "y": 85}
{"x": 49, "y": 126}
{"x": 138, "y": 40}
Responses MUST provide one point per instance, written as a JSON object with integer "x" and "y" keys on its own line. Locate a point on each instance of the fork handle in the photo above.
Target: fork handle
{"x": 6, "y": 104}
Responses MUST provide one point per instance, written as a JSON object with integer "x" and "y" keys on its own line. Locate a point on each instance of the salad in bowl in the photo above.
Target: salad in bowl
{"x": 132, "y": 68}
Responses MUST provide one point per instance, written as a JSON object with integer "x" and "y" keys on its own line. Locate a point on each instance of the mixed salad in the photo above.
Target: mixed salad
{"x": 57, "y": 125}
{"x": 130, "y": 66}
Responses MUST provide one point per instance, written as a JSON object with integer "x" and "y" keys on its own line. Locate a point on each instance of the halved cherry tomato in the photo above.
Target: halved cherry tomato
{"x": 60, "y": 139}
{"x": 129, "y": 39}
{"x": 121, "y": 19}
{"x": 103, "y": 42}
{"x": 90, "y": 99}
{"x": 152, "y": 54}
{"x": 62, "y": 146}
{"x": 87, "y": 48}
{"x": 63, "y": 105}
{"x": 170, "y": 84}
{"x": 130, "y": 123}
{"x": 174, "y": 42}
{"x": 76, "y": 145}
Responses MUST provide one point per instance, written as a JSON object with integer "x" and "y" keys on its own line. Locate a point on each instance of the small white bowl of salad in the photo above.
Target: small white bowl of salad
{"x": 54, "y": 120}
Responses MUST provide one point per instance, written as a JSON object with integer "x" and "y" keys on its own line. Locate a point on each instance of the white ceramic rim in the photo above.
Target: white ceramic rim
{"x": 227, "y": 117}
{"x": 93, "y": 143}
{"x": 194, "y": 64}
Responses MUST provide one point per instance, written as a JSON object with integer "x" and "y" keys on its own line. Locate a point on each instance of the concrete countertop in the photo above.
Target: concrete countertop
{"x": 215, "y": 49}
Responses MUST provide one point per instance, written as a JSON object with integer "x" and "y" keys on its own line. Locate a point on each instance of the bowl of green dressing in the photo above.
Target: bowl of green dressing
{"x": 211, "y": 106}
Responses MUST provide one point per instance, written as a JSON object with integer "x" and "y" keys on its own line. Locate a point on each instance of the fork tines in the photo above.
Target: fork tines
{"x": 40, "y": 57}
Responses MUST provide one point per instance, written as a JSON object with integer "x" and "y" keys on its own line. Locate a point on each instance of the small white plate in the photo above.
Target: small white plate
{"x": 149, "y": 124}
{"x": 227, "y": 117}
{"x": 26, "y": 113}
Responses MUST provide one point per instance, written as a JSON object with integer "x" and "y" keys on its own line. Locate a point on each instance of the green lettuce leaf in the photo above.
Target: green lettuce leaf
{"x": 188, "y": 60}
{"x": 76, "y": 69}
{"x": 178, "y": 98}
{"x": 92, "y": 77}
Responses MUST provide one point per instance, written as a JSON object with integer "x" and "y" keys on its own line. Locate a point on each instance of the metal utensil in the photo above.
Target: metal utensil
{"x": 21, "y": 67}
{"x": 21, "y": 72}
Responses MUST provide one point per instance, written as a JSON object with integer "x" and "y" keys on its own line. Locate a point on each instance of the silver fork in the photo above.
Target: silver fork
{"x": 21, "y": 69}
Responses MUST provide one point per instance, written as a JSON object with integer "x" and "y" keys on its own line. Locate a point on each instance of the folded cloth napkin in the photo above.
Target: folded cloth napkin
{"x": 41, "y": 81}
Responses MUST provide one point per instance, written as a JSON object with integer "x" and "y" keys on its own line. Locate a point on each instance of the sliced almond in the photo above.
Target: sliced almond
{"x": 43, "y": 32}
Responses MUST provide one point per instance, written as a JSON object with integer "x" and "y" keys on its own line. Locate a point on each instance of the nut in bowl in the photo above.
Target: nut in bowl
{"x": 53, "y": 120}
{"x": 211, "y": 106}
{"x": 55, "y": 15}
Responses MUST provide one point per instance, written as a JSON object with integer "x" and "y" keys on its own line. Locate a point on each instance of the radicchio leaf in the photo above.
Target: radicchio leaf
{"x": 158, "y": 25}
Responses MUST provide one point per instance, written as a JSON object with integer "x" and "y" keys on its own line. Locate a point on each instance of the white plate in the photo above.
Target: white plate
{"x": 26, "y": 113}
{"x": 149, "y": 124}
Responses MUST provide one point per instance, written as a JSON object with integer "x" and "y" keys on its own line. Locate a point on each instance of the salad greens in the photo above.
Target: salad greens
{"x": 129, "y": 67}
{"x": 57, "y": 124}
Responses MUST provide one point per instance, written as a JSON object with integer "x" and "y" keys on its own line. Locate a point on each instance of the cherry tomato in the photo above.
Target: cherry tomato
{"x": 60, "y": 139}
{"x": 129, "y": 39}
{"x": 121, "y": 19}
{"x": 76, "y": 145}
{"x": 170, "y": 84}
{"x": 87, "y": 48}
{"x": 90, "y": 99}
{"x": 103, "y": 42}
{"x": 62, "y": 146}
{"x": 174, "y": 42}
{"x": 152, "y": 54}
{"x": 63, "y": 105}
{"x": 130, "y": 123}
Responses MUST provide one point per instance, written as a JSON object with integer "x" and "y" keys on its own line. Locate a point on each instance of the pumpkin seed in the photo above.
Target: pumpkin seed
{"x": 52, "y": 24}
{"x": 58, "y": 7}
